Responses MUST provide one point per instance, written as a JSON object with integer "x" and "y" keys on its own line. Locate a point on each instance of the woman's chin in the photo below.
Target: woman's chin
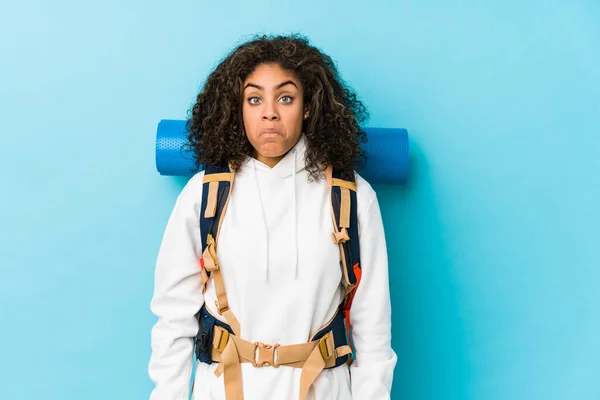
{"x": 273, "y": 150}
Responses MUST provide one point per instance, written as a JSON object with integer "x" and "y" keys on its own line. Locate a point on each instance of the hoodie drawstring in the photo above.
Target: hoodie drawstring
{"x": 264, "y": 218}
{"x": 294, "y": 222}
{"x": 295, "y": 217}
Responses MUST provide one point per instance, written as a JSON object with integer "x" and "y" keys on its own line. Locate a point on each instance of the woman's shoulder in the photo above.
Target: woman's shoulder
{"x": 365, "y": 194}
{"x": 193, "y": 188}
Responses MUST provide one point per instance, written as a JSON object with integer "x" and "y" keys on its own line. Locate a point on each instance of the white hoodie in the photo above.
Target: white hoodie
{"x": 283, "y": 280}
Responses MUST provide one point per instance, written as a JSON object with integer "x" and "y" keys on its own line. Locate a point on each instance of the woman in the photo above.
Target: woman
{"x": 277, "y": 113}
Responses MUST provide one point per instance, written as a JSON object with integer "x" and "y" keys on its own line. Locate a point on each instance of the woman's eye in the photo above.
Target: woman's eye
{"x": 254, "y": 100}
{"x": 286, "y": 99}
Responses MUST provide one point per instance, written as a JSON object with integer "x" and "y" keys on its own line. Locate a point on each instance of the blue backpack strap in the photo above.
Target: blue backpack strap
{"x": 215, "y": 193}
{"x": 338, "y": 328}
{"x": 344, "y": 211}
{"x": 217, "y": 186}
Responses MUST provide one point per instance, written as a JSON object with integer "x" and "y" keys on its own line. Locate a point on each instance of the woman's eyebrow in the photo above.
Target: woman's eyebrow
{"x": 250, "y": 84}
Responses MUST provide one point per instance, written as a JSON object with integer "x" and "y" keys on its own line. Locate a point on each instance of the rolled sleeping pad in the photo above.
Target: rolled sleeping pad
{"x": 386, "y": 153}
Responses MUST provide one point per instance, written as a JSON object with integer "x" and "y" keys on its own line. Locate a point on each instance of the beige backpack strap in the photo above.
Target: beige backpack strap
{"x": 211, "y": 262}
{"x": 340, "y": 233}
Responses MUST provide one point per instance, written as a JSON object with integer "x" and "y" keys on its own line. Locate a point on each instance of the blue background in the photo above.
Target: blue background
{"x": 493, "y": 247}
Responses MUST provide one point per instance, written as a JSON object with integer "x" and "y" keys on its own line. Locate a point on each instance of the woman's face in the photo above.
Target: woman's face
{"x": 273, "y": 111}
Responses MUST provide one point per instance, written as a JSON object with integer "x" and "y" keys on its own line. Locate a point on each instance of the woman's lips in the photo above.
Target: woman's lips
{"x": 269, "y": 132}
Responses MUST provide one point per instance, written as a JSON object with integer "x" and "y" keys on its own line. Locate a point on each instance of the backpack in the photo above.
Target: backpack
{"x": 216, "y": 341}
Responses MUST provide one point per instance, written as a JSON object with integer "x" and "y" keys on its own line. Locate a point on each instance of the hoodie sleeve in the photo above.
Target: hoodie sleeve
{"x": 370, "y": 315}
{"x": 177, "y": 298}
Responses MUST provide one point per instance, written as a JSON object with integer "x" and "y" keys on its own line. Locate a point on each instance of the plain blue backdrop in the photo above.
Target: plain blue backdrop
{"x": 493, "y": 244}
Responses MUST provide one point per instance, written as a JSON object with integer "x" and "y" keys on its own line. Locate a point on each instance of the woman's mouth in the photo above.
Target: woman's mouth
{"x": 269, "y": 132}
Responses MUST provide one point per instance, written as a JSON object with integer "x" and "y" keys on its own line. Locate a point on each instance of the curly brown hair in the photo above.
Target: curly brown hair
{"x": 333, "y": 133}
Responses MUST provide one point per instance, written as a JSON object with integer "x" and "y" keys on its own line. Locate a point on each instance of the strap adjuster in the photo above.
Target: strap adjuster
{"x": 220, "y": 338}
{"x": 341, "y": 236}
{"x": 327, "y": 346}
{"x": 221, "y": 310}
{"x": 209, "y": 256}
{"x": 266, "y": 355}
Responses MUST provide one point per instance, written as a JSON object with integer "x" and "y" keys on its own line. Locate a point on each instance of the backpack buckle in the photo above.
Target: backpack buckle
{"x": 265, "y": 355}
{"x": 220, "y": 338}
{"x": 327, "y": 346}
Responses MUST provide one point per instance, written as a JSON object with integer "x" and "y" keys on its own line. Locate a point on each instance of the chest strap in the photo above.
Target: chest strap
{"x": 313, "y": 357}
{"x": 216, "y": 343}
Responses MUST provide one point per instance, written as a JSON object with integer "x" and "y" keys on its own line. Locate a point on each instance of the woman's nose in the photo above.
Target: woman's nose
{"x": 270, "y": 114}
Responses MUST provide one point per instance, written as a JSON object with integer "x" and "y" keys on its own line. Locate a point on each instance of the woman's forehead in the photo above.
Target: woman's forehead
{"x": 271, "y": 75}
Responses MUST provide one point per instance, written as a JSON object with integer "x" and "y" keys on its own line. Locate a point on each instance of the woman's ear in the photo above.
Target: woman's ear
{"x": 306, "y": 111}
